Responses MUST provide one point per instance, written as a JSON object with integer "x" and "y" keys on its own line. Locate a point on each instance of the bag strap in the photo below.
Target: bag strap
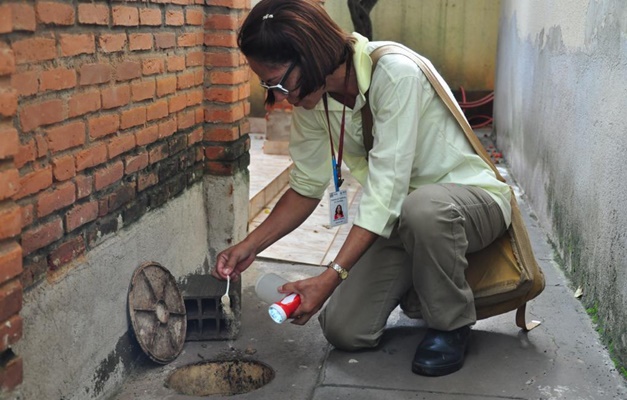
{"x": 447, "y": 98}
{"x": 517, "y": 228}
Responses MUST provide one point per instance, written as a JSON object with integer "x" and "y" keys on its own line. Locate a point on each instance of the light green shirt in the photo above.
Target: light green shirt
{"x": 416, "y": 142}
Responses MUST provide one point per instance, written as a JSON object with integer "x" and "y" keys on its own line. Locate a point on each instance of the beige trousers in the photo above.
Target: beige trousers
{"x": 438, "y": 225}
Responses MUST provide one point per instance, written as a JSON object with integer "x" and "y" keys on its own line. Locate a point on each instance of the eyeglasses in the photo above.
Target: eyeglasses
{"x": 279, "y": 86}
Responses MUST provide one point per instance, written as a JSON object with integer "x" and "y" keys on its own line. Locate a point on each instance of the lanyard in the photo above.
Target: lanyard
{"x": 337, "y": 164}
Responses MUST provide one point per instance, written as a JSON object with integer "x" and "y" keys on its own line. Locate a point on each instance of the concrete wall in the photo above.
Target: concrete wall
{"x": 77, "y": 344}
{"x": 561, "y": 96}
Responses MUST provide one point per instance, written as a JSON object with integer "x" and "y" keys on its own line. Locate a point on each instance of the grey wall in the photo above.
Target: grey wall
{"x": 561, "y": 120}
{"x": 76, "y": 340}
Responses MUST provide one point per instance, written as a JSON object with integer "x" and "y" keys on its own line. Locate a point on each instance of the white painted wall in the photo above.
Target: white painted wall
{"x": 561, "y": 120}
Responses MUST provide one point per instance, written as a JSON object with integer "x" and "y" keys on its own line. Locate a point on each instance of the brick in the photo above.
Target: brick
{"x": 157, "y": 110}
{"x": 153, "y": 66}
{"x": 42, "y": 235}
{"x": 165, "y": 40}
{"x": 63, "y": 168}
{"x": 158, "y": 153}
{"x": 123, "y": 195}
{"x": 26, "y": 83}
{"x": 121, "y": 144}
{"x": 73, "y": 45}
{"x": 221, "y": 22}
{"x": 8, "y": 102}
{"x": 61, "y": 196}
{"x": 103, "y": 125}
{"x": 110, "y": 43}
{"x": 12, "y": 374}
{"x": 109, "y": 175}
{"x": 57, "y": 79}
{"x": 83, "y": 103}
{"x": 9, "y": 183}
{"x": 34, "y": 270}
{"x": 10, "y": 142}
{"x": 147, "y": 135}
{"x": 194, "y": 17}
{"x": 93, "y": 14}
{"x": 140, "y": 41}
{"x": 133, "y": 117}
{"x": 195, "y": 59}
{"x": 228, "y": 114}
{"x": 135, "y": 163}
{"x": 84, "y": 186}
{"x": 35, "y": 49}
{"x": 125, "y": 16}
{"x": 222, "y": 58}
{"x": 28, "y": 215}
{"x": 128, "y": 70}
{"x": 185, "y": 81}
{"x": 93, "y": 74}
{"x": 42, "y": 145}
{"x": 177, "y": 103}
{"x": 116, "y": 96}
{"x": 166, "y": 86}
{"x": 81, "y": 214}
{"x": 150, "y": 17}
{"x": 186, "y": 119}
{"x": 55, "y": 13}
{"x": 23, "y": 17}
{"x": 167, "y": 128}
{"x": 7, "y": 61}
{"x": 189, "y": 40}
{"x": 222, "y": 94}
{"x": 194, "y": 97}
{"x": 174, "y": 18}
{"x": 34, "y": 182}
{"x": 143, "y": 90}
{"x": 194, "y": 137}
{"x": 146, "y": 180}
{"x": 66, "y": 253}
{"x": 66, "y": 136}
{"x": 10, "y": 220}
{"x": 221, "y": 39}
{"x": 10, "y": 331}
{"x": 175, "y": 63}
{"x": 6, "y": 18}
{"x": 26, "y": 153}
{"x": 91, "y": 157}
{"x": 10, "y": 260}
{"x": 233, "y": 77}
{"x": 221, "y": 133}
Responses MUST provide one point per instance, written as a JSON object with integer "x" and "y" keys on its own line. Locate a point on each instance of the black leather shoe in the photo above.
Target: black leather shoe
{"x": 441, "y": 352}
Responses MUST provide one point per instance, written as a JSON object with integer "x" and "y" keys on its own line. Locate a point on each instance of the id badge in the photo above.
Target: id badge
{"x": 338, "y": 208}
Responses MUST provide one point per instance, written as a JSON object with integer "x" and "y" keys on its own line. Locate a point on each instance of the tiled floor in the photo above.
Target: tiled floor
{"x": 298, "y": 246}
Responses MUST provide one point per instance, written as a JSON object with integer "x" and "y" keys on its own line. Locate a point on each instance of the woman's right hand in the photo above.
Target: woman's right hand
{"x": 233, "y": 261}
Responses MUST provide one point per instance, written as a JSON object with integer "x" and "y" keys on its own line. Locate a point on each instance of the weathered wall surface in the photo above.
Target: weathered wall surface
{"x": 459, "y": 36}
{"x": 561, "y": 96}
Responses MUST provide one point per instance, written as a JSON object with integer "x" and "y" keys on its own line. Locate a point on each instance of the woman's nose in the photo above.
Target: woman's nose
{"x": 280, "y": 96}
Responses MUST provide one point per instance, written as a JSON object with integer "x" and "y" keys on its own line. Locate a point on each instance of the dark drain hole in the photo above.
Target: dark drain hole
{"x": 220, "y": 377}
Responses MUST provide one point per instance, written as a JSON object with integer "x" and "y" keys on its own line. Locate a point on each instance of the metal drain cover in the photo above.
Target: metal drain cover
{"x": 157, "y": 312}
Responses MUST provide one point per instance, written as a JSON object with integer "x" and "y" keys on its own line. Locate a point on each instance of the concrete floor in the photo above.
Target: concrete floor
{"x": 561, "y": 359}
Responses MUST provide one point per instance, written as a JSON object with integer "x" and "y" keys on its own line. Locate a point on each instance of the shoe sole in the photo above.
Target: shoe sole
{"x": 435, "y": 371}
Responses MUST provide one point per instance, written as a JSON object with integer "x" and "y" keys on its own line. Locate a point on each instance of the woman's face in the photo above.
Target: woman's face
{"x": 273, "y": 75}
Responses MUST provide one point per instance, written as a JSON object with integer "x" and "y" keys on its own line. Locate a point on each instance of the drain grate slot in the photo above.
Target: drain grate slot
{"x": 207, "y": 321}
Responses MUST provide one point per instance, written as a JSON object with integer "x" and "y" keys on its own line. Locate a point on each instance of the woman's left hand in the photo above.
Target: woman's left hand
{"x": 313, "y": 294}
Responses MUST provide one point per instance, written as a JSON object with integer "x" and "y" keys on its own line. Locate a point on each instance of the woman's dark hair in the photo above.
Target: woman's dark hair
{"x": 285, "y": 31}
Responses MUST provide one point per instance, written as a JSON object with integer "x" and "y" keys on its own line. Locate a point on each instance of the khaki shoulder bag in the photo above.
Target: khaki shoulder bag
{"x": 505, "y": 275}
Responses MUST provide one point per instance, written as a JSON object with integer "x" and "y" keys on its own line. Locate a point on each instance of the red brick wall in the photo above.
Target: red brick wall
{"x": 10, "y": 215}
{"x": 108, "y": 109}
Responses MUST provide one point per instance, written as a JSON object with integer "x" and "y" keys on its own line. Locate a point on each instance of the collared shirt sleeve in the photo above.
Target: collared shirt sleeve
{"x": 396, "y": 96}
